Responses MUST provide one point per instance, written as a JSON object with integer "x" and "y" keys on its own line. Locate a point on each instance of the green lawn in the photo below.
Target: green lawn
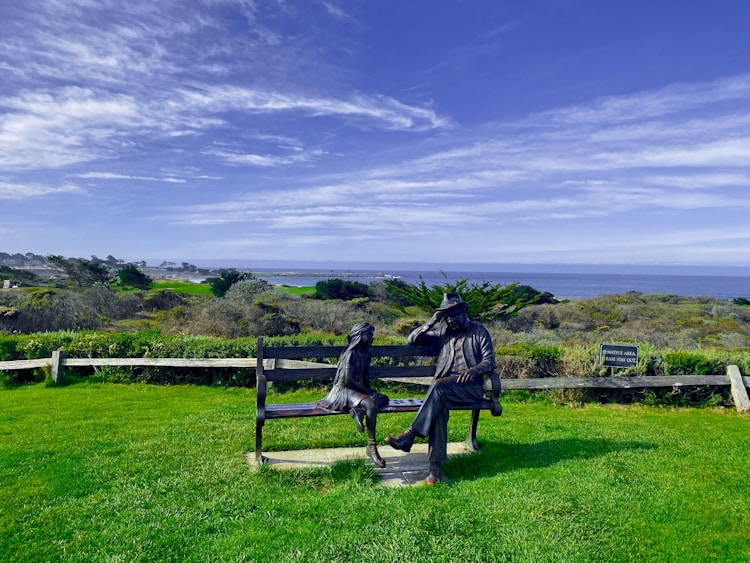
{"x": 189, "y": 288}
{"x": 297, "y": 290}
{"x": 103, "y": 472}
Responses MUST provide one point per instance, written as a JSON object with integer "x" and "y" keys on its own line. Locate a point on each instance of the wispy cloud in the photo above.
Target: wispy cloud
{"x": 519, "y": 175}
{"x": 127, "y": 80}
{"x": 674, "y": 99}
{"x": 114, "y": 176}
{"x": 9, "y": 190}
{"x": 263, "y": 161}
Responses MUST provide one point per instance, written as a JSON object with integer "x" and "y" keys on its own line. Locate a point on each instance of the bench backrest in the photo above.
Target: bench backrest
{"x": 287, "y": 363}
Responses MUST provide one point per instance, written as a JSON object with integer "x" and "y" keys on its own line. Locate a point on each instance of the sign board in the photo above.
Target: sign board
{"x": 618, "y": 356}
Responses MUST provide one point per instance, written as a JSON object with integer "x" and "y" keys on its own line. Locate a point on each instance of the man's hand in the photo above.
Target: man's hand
{"x": 435, "y": 318}
{"x": 466, "y": 376}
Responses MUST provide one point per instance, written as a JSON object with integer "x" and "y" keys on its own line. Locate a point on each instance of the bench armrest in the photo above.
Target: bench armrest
{"x": 492, "y": 386}
{"x": 261, "y": 384}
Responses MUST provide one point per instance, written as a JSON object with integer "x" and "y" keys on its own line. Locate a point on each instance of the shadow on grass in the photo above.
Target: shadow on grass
{"x": 499, "y": 457}
{"x": 345, "y": 472}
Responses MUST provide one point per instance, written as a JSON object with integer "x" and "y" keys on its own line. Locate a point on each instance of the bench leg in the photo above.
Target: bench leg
{"x": 259, "y": 457}
{"x": 471, "y": 436}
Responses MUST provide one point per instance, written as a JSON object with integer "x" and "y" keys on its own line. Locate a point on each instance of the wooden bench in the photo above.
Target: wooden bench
{"x": 285, "y": 364}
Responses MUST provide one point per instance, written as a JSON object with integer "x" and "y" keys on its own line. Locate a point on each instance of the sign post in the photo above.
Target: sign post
{"x": 618, "y": 355}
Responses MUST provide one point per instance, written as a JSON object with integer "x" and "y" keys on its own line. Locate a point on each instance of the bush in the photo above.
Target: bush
{"x": 163, "y": 300}
{"x": 692, "y": 363}
{"x": 234, "y": 317}
{"x": 525, "y": 361}
{"x": 131, "y": 276}
{"x": 340, "y": 289}
{"x": 49, "y": 310}
{"x": 484, "y": 301}
{"x": 247, "y": 290}
{"x": 219, "y": 286}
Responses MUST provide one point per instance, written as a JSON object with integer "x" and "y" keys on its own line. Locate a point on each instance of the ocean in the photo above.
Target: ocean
{"x": 561, "y": 285}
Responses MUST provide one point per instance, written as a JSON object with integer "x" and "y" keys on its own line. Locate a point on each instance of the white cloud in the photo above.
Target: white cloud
{"x": 114, "y": 176}
{"x": 379, "y": 111}
{"x": 692, "y": 181}
{"x": 673, "y": 99}
{"x": 264, "y": 161}
{"x": 335, "y": 11}
{"x": 14, "y": 191}
{"x": 570, "y": 173}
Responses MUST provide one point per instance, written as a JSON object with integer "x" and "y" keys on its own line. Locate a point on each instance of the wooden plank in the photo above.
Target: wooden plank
{"x": 57, "y": 370}
{"x": 326, "y": 373}
{"x": 282, "y": 363}
{"x": 301, "y": 374}
{"x": 25, "y": 364}
{"x": 613, "y": 382}
{"x": 739, "y": 393}
{"x": 403, "y": 351}
{"x": 164, "y": 362}
{"x": 396, "y": 372}
{"x": 302, "y": 352}
{"x": 296, "y": 410}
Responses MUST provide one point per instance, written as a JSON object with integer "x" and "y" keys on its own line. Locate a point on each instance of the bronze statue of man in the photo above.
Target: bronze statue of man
{"x": 351, "y": 390}
{"x": 466, "y": 355}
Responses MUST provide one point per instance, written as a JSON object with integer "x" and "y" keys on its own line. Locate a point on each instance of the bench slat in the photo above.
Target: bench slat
{"x": 319, "y": 374}
{"x": 295, "y": 410}
{"x": 302, "y": 352}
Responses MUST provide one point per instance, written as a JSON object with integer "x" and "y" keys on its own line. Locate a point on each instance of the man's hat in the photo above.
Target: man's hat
{"x": 451, "y": 300}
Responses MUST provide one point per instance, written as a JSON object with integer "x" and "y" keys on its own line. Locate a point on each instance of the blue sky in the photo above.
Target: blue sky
{"x": 568, "y": 131}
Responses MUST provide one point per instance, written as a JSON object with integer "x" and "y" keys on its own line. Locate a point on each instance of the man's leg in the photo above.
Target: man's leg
{"x": 451, "y": 394}
{"x": 437, "y": 446}
{"x": 442, "y": 394}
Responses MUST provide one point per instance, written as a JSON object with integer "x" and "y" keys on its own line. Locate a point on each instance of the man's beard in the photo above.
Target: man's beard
{"x": 457, "y": 328}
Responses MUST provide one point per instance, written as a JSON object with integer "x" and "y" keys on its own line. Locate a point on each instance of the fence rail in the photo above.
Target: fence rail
{"x": 737, "y": 383}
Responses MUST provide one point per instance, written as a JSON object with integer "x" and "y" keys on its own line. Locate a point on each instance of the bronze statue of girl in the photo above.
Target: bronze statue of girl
{"x": 351, "y": 387}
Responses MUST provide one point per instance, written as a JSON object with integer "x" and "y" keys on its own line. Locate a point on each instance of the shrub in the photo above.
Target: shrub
{"x": 219, "y": 286}
{"x": 484, "y": 300}
{"x": 340, "y": 289}
{"x": 692, "y": 363}
{"x": 163, "y": 300}
{"x": 528, "y": 361}
{"x": 247, "y": 290}
{"x": 131, "y": 276}
{"x": 233, "y": 317}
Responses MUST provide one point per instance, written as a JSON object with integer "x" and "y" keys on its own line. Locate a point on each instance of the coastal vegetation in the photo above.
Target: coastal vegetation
{"x": 535, "y": 334}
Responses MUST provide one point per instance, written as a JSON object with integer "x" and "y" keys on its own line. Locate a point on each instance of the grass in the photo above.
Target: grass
{"x": 297, "y": 290}
{"x": 189, "y": 288}
{"x": 103, "y": 472}
{"x": 203, "y": 289}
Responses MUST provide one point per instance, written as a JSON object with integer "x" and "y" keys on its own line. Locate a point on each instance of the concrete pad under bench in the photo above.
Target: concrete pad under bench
{"x": 402, "y": 469}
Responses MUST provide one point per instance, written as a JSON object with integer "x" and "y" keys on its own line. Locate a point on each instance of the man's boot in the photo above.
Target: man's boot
{"x": 436, "y": 474}
{"x": 403, "y": 441}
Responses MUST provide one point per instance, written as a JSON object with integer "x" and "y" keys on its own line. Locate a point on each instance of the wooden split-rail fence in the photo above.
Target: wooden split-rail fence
{"x": 733, "y": 378}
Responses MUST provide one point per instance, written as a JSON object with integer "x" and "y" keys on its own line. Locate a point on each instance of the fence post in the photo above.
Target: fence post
{"x": 739, "y": 393}
{"x": 56, "y": 369}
